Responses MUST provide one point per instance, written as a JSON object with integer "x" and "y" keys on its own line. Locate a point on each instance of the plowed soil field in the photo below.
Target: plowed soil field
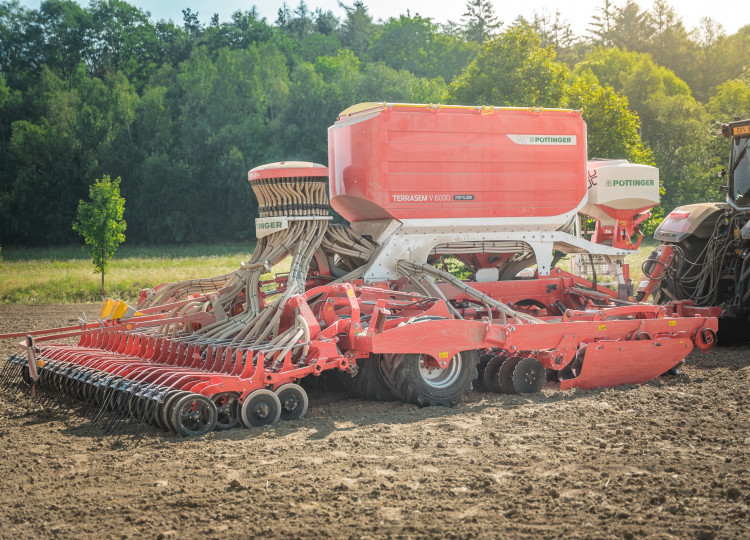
{"x": 668, "y": 459}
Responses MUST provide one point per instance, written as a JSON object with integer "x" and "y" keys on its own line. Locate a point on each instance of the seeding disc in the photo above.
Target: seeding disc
{"x": 227, "y": 408}
{"x": 293, "y": 400}
{"x": 478, "y": 383}
{"x": 505, "y": 375}
{"x": 260, "y": 408}
{"x": 194, "y": 415}
{"x": 491, "y": 373}
{"x": 529, "y": 376}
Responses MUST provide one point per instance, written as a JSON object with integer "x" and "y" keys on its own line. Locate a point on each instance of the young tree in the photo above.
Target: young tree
{"x": 100, "y": 222}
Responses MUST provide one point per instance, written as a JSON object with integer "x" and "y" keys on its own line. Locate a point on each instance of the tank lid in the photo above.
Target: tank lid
{"x": 288, "y": 169}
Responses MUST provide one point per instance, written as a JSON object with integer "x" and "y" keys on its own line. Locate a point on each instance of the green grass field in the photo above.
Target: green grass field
{"x": 65, "y": 274}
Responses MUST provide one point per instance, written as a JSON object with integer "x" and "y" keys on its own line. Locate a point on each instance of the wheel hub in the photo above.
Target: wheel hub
{"x": 262, "y": 410}
{"x": 438, "y": 377}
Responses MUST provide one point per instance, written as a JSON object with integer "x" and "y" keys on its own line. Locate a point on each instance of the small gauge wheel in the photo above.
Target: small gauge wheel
{"x": 194, "y": 415}
{"x": 260, "y": 408}
{"x": 227, "y": 408}
{"x": 294, "y": 401}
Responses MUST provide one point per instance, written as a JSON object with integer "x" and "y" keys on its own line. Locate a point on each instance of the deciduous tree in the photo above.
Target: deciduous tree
{"x": 100, "y": 222}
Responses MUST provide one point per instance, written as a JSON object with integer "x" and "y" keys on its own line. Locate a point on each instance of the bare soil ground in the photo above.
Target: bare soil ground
{"x": 668, "y": 459}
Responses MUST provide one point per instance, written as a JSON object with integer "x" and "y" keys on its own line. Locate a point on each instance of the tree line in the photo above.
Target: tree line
{"x": 181, "y": 111}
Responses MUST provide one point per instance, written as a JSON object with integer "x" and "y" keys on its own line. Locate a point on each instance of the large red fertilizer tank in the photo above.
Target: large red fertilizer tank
{"x": 422, "y": 186}
{"x": 410, "y": 162}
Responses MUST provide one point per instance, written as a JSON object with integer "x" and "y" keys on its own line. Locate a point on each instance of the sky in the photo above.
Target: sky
{"x": 577, "y": 12}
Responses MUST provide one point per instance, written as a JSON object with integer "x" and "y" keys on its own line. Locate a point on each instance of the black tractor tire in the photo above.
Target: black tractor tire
{"x": 412, "y": 381}
{"x": 733, "y": 331}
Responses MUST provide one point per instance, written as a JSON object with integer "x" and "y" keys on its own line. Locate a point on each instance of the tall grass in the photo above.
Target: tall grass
{"x": 66, "y": 274}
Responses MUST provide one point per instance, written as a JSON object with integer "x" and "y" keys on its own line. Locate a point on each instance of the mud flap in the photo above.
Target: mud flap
{"x": 611, "y": 363}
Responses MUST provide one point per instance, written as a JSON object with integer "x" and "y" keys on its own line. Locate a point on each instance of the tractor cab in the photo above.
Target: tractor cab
{"x": 738, "y": 193}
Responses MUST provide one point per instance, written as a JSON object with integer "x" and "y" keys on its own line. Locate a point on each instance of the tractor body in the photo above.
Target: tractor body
{"x": 704, "y": 257}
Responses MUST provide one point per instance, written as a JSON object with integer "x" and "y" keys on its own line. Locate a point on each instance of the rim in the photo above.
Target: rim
{"x": 194, "y": 415}
{"x": 226, "y": 409}
{"x": 261, "y": 408}
{"x": 438, "y": 377}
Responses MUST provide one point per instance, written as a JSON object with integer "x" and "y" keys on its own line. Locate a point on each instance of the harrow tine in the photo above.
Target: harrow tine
{"x": 139, "y": 426}
{"x": 11, "y": 373}
{"x": 7, "y": 367}
{"x": 70, "y": 391}
{"x": 152, "y": 407}
{"x": 15, "y": 374}
{"x": 60, "y": 395}
{"x": 128, "y": 420}
{"x": 108, "y": 393}
{"x": 89, "y": 395}
{"x": 125, "y": 414}
{"x": 119, "y": 411}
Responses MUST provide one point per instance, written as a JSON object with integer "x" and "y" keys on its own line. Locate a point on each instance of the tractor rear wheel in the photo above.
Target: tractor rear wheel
{"x": 417, "y": 378}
